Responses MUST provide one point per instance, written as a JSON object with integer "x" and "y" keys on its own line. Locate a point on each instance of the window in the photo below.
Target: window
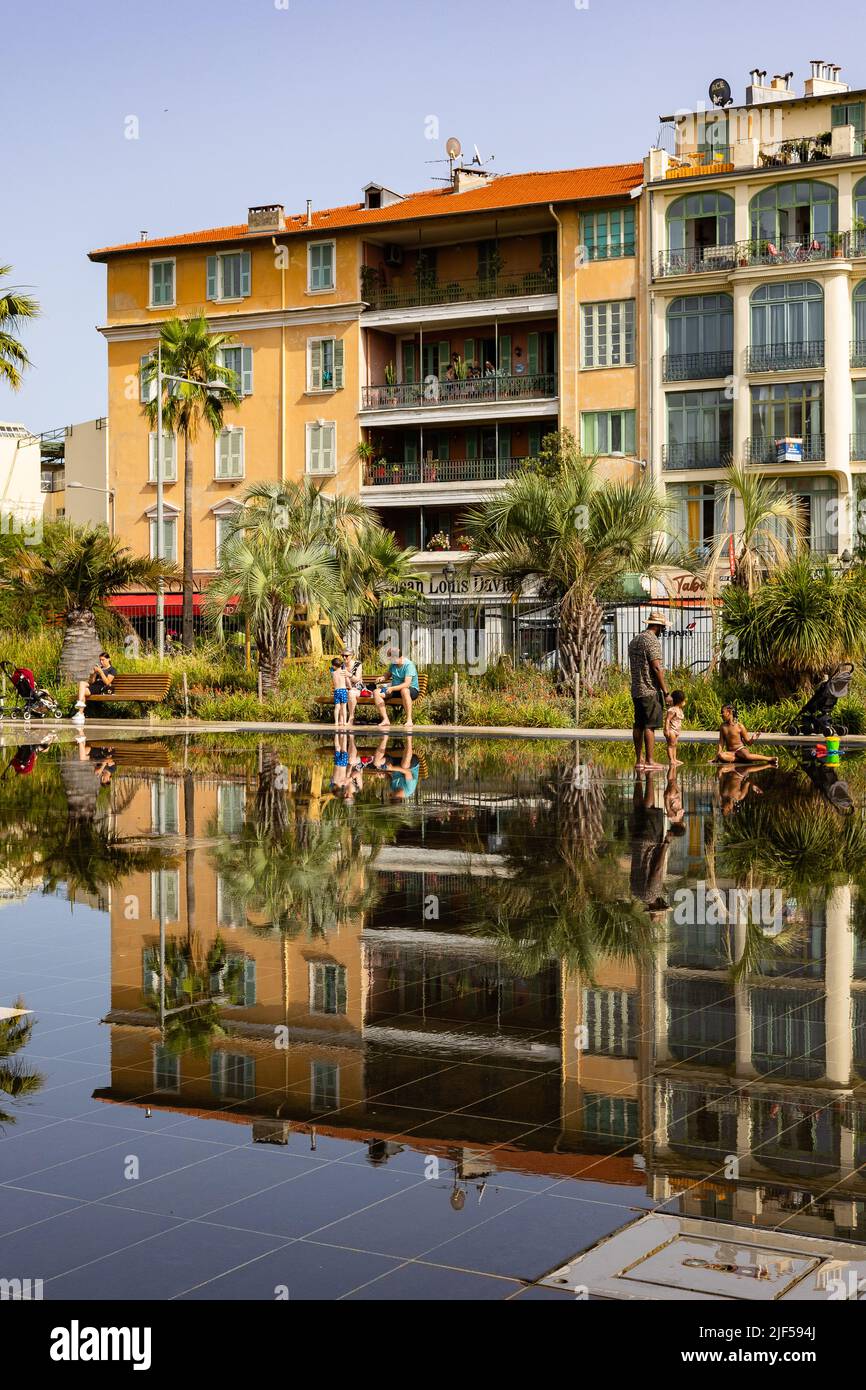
{"x": 608, "y": 334}
{"x": 230, "y": 452}
{"x": 231, "y": 908}
{"x": 700, "y": 336}
{"x": 858, "y": 443}
{"x": 801, "y": 211}
{"x": 239, "y": 361}
{"x": 607, "y": 432}
{"x": 161, "y": 284}
{"x": 168, "y": 881}
{"x": 700, "y": 429}
{"x": 608, "y": 234}
{"x": 324, "y": 364}
{"x": 611, "y": 1022}
{"x": 321, "y": 446}
{"x": 164, "y": 815}
{"x": 231, "y": 798}
{"x": 324, "y": 1086}
{"x": 610, "y": 1117}
{"x": 698, "y": 514}
{"x": 860, "y": 210}
{"x": 166, "y": 1069}
{"x": 818, "y": 505}
{"x": 858, "y": 335}
{"x": 223, "y": 531}
{"x": 147, "y": 378}
{"x": 229, "y": 275}
{"x": 321, "y": 256}
{"x": 327, "y": 988}
{"x": 237, "y": 980}
{"x": 169, "y": 538}
{"x": 851, "y": 113}
{"x": 233, "y": 1075}
{"x": 169, "y": 457}
{"x": 793, "y": 409}
{"x": 699, "y": 220}
{"x": 787, "y": 325}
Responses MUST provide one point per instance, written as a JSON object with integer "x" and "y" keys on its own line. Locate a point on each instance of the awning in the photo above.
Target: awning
{"x": 139, "y": 605}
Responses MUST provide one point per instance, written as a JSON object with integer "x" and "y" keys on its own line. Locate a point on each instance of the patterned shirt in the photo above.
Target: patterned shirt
{"x": 642, "y": 650}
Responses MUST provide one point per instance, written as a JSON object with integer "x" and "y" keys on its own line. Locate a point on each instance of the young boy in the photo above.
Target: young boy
{"x": 340, "y": 683}
{"x": 733, "y": 738}
{"x": 673, "y": 724}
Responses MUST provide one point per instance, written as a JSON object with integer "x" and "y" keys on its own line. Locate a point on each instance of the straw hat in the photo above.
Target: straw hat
{"x": 657, "y": 618}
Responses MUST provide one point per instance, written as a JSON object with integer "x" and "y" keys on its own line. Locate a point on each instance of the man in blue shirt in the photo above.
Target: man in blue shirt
{"x": 402, "y": 680}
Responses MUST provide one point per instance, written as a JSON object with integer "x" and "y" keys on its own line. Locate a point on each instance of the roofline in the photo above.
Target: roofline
{"x": 105, "y": 253}
{"x": 855, "y": 93}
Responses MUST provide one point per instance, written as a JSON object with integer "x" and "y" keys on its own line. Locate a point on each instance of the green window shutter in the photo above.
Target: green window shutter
{"x": 211, "y": 291}
{"x": 338, "y": 364}
{"x": 505, "y": 441}
{"x": 628, "y": 232}
{"x": 316, "y": 365}
{"x": 472, "y": 444}
{"x": 504, "y": 363}
{"x": 410, "y": 451}
{"x": 469, "y": 352}
{"x": 146, "y": 389}
{"x": 444, "y": 356}
{"x": 588, "y": 433}
{"x": 442, "y": 449}
{"x": 249, "y": 983}
{"x": 246, "y": 273}
{"x": 628, "y": 432}
{"x": 534, "y": 440}
{"x": 533, "y": 354}
{"x": 246, "y": 371}
{"x": 409, "y": 363}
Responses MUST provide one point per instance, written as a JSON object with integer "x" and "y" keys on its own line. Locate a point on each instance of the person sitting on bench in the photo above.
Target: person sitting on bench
{"x": 402, "y": 680}
{"x": 99, "y": 682}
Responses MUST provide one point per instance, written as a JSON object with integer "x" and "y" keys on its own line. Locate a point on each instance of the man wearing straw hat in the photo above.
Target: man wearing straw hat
{"x": 649, "y": 692}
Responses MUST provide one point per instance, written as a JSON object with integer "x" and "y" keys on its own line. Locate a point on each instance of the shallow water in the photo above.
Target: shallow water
{"x": 423, "y": 1027}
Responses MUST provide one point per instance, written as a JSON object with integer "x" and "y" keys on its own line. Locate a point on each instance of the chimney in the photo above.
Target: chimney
{"x": 467, "y": 176}
{"x": 309, "y": 212}
{"x": 268, "y": 217}
{"x": 824, "y": 79}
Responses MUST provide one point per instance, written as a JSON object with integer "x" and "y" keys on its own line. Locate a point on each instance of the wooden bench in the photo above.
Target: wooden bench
{"x": 129, "y": 686}
{"x": 394, "y": 701}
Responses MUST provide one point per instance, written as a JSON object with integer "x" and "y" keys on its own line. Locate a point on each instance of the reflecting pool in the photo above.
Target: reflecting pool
{"x": 425, "y": 1019}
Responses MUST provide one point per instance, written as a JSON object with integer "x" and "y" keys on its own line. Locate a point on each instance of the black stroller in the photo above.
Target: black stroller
{"x": 814, "y": 717}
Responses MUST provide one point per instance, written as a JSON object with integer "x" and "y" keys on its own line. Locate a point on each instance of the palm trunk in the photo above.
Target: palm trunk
{"x": 271, "y": 639}
{"x": 189, "y": 857}
{"x": 581, "y": 640}
{"x": 81, "y": 645}
{"x": 187, "y": 627}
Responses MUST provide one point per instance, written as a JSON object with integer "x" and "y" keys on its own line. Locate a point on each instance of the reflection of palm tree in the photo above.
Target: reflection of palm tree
{"x": 16, "y": 1080}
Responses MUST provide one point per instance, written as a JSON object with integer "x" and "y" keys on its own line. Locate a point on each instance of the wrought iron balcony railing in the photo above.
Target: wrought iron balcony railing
{"x": 475, "y": 390}
{"x": 486, "y": 470}
{"x": 858, "y": 352}
{"x": 703, "y": 454}
{"x": 858, "y": 446}
{"x": 784, "y": 357}
{"x": 429, "y": 290}
{"x": 763, "y": 449}
{"x": 807, "y": 149}
{"x": 817, "y": 246}
{"x": 695, "y": 260}
{"x": 857, "y": 243}
{"x": 696, "y": 366}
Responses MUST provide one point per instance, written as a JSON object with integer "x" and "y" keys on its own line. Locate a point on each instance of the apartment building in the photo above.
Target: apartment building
{"x": 74, "y": 461}
{"x": 756, "y": 258}
{"x": 445, "y": 333}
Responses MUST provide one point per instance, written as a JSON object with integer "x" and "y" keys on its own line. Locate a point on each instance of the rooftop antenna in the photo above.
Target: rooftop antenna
{"x": 453, "y": 149}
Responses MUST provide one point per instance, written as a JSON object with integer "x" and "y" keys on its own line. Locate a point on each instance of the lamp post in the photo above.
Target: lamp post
{"x": 160, "y": 476}
{"x": 106, "y": 492}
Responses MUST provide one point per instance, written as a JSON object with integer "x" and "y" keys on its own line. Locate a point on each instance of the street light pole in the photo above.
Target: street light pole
{"x": 160, "y": 470}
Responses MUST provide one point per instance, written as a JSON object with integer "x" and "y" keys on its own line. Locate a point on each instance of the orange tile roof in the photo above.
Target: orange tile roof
{"x": 505, "y": 191}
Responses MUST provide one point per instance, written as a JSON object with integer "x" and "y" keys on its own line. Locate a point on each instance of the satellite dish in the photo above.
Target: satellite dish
{"x": 453, "y": 147}
{"x": 720, "y": 92}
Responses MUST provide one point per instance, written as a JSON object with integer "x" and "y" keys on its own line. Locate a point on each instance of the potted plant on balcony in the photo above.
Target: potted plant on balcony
{"x": 365, "y": 452}
{"x": 391, "y": 384}
{"x": 837, "y": 245}
{"x": 372, "y": 282}
{"x": 462, "y": 542}
{"x": 440, "y": 541}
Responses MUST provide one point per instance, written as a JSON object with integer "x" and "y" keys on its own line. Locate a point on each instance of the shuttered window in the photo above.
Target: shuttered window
{"x": 607, "y": 432}
{"x": 321, "y": 256}
{"x": 230, "y": 453}
{"x": 607, "y": 336}
{"x": 161, "y": 283}
{"x": 169, "y": 539}
{"x": 321, "y": 446}
{"x": 229, "y": 275}
{"x": 169, "y": 458}
{"x": 327, "y": 988}
{"x": 239, "y": 360}
{"x": 325, "y": 364}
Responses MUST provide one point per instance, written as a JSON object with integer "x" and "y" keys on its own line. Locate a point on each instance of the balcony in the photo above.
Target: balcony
{"x": 695, "y": 260}
{"x": 696, "y": 366}
{"x": 703, "y": 454}
{"x": 784, "y": 357}
{"x": 426, "y": 291}
{"x": 858, "y": 352}
{"x": 858, "y": 447}
{"x": 804, "y": 250}
{"x": 486, "y": 470}
{"x": 808, "y": 149}
{"x": 706, "y": 163}
{"x": 857, "y": 243}
{"x": 762, "y": 449}
{"x": 485, "y": 390}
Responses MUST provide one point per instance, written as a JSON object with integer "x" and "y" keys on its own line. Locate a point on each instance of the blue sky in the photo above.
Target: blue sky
{"x": 241, "y": 102}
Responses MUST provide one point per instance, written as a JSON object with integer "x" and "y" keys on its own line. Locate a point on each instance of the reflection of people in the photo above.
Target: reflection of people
{"x": 402, "y": 680}
{"x": 734, "y": 739}
{"x": 735, "y": 785}
{"x": 674, "y": 809}
{"x": 403, "y": 771}
{"x": 103, "y": 758}
{"x": 650, "y": 846}
{"x": 99, "y": 682}
{"x": 648, "y": 690}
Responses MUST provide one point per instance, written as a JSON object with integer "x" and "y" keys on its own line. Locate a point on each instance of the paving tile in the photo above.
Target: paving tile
{"x": 75, "y": 1237}
{"x": 424, "y": 1282}
{"x": 305, "y": 1270}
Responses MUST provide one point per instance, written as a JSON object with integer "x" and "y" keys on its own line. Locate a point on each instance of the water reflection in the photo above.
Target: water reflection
{"x": 516, "y": 957}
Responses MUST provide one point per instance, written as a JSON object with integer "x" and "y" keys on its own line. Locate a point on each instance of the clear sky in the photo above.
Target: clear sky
{"x": 241, "y": 102}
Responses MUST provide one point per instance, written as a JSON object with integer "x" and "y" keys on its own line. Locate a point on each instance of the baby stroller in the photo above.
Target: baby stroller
{"x": 814, "y": 717}
{"x": 30, "y": 701}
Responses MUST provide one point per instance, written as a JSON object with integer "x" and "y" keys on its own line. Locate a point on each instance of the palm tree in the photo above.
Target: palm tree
{"x": 772, "y": 526}
{"x": 15, "y": 307}
{"x": 16, "y": 1080}
{"x": 569, "y": 532}
{"x": 269, "y": 578}
{"x": 191, "y": 351}
{"x": 377, "y": 573}
{"x": 73, "y": 574}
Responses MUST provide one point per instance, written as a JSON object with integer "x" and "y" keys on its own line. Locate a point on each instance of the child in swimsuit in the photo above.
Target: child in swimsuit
{"x": 733, "y": 740}
{"x": 673, "y": 724}
{"x": 341, "y": 693}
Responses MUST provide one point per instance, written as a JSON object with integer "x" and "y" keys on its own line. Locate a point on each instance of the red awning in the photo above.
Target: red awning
{"x": 140, "y": 605}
